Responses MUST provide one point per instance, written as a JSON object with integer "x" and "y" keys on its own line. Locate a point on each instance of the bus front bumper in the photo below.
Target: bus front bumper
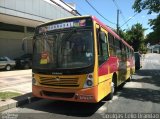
{"x": 77, "y": 95}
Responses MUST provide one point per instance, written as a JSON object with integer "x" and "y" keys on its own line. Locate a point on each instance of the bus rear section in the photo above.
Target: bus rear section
{"x": 72, "y": 62}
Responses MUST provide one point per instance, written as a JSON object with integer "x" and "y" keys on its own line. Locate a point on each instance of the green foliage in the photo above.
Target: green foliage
{"x": 8, "y": 95}
{"x": 122, "y": 34}
{"x": 151, "y": 6}
{"x": 154, "y": 37}
{"x": 143, "y": 48}
{"x": 135, "y": 36}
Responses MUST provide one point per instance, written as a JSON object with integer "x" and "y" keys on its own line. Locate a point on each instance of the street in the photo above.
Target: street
{"x": 141, "y": 95}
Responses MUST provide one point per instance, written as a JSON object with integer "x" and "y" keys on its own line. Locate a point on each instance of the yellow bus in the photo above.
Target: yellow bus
{"x": 79, "y": 59}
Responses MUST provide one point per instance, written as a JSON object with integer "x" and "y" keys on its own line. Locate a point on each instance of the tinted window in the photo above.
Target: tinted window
{"x": 102, "y": 49}
{"x": 30, "y": 29}
{"x": 117, "y": 48}
{"x": 3, "y": 59}
{"x": 11, "y": 27}
{"x": 123, "y": 52}
{"x": 112, "y": 49}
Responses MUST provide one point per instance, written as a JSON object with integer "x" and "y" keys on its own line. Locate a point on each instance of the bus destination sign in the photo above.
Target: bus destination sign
{"x": 76, "y": 23}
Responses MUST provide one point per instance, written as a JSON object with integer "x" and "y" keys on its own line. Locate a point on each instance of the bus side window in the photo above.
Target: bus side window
{"x": 121, "y": 49}
{"x": 117, "y": 48}
{"x": 112, "y": 48}
{"x": 102, "y": 47}
{"x": 123, "y": 52}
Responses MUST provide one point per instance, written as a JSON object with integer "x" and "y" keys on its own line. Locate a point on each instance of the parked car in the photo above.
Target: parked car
{"x": 138, "y": 63}
{"x": 6, "y": 63}
{"x": 24, "y": 61}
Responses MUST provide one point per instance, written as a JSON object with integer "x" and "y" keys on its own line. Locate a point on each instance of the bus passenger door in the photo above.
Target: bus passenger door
{"x": 103, "y": 66}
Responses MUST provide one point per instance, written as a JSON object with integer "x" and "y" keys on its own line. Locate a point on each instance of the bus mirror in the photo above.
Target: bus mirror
{"x": 26, "y": 44}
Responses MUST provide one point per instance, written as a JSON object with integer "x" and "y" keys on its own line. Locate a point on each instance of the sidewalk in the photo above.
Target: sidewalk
{"x": 19, "y": 81}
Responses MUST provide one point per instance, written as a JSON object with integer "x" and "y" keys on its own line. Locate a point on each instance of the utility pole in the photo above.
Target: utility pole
{"x": 117, "y": 21}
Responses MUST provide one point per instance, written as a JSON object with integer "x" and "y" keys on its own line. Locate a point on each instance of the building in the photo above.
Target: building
{"x": 18, "y": 18}
{"x": 154, "y": 49}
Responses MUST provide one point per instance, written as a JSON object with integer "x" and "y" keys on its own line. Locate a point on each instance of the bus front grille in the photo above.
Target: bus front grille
{"x": 58, "y": 81}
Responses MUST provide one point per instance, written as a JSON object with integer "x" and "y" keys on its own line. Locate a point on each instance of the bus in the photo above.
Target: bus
{"x": 79, "y": 59}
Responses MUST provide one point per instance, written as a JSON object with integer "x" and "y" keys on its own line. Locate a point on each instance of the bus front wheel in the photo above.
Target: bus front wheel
{"x": 129, "y": 79}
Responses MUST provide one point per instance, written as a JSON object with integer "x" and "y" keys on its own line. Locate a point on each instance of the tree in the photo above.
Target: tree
{"x": 151, "y": 6}
{"x": 154, "y": 37}
{"x": 122, "y": 34}
{"x": 135, "y": 36}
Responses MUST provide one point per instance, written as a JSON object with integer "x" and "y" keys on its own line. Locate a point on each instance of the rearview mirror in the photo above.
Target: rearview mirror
{"x": 27, "y": 44}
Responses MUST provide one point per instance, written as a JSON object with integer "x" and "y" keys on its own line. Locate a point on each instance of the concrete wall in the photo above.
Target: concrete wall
{"x": 11, "y": 43}
{"x": 39, "y": 10}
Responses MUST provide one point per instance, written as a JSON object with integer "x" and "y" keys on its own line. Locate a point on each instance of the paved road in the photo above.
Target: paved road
{"x": 141, "y": 95}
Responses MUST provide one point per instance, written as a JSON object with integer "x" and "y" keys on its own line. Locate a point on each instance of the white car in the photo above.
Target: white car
{"x": 6, "y": 63}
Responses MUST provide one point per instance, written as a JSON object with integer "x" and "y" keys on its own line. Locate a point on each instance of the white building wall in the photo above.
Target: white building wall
{"x": 27, "y": 13}
{"x": 39, "y": 10}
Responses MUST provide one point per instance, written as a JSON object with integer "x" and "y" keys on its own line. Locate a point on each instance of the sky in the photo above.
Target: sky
{"x": 108, "y": 9}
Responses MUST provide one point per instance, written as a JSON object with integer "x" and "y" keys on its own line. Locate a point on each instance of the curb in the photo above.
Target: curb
{"x": 17, "y": 101}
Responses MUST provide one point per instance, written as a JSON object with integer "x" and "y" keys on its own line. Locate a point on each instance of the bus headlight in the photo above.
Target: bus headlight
{"x": 89, "y": 81}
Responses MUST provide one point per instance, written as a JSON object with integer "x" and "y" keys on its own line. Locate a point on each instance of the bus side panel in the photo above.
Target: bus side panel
{"x": 132, "y": 62}
{"x": 104, "y": 86}
{"x": 105, "y": 73}
{"x": 130, "y": 67}
{"x": 110, "y": 66}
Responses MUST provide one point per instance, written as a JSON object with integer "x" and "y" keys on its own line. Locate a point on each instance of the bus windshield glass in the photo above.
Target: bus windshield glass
{"x": 63, "y": 50}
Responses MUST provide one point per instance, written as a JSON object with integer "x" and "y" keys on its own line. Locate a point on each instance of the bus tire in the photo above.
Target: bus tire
{"x": 129, "y": 79}
{"x": 113, "y": 87}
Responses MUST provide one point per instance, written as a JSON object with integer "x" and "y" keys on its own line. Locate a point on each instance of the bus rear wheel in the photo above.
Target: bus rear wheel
{"x": 113, "y": 87}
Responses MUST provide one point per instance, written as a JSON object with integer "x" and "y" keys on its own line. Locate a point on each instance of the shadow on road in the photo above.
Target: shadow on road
{"x": 145, "y": 93}
{"x": 141, "y": 94}
{"x": 75, "y": 109}
{"x": 154, "y": 76}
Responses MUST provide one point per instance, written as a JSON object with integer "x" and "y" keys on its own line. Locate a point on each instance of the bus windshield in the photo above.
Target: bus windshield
{"x": 63, "y": 50}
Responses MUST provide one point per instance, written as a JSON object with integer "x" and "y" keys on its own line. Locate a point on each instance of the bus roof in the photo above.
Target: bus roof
{"x": 95, "y": 19}
{"x": 111, "y": 31}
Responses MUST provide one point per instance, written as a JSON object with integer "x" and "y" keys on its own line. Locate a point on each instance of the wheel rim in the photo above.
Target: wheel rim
{"x": 112, "y": 87}
{"x": 8, "y": 68}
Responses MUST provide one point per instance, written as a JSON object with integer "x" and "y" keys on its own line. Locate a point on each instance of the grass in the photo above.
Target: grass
{"x": 8, "y": 95}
